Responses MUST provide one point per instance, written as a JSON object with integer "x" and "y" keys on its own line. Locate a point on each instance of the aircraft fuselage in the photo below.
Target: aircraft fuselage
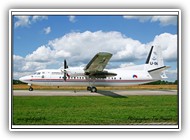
{"x": 76, "y": 77}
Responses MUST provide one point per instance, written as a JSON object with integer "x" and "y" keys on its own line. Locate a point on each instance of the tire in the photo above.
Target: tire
{"x": 89, "y": 88}
{"x": 30, "y": 89}
{"x": 93, "y": 89}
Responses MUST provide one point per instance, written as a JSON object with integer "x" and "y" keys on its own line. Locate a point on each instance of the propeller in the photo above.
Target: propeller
{"x": 65, "y": 72}
{"x": 65, "y": 64}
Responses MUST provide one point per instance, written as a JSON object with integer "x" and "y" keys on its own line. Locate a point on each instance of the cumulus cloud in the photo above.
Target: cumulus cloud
{"x": 83, "y": 46}
{"x": 79, "y": 48}
{"x": 18, "y": 64}
{"x": 24, "y": 21}
{"x": 47, "y": 30}
{"x": 164, "y": 20}
{"x": 168, "y": 42}
{"x": 42, "y": 54}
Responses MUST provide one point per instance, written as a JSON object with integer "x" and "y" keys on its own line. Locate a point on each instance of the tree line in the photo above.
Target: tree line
{"x": 16, "y": 82}
{"x": 160, "y": 82}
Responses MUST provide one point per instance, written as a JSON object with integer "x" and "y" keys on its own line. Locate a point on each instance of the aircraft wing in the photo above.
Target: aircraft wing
{"x": 97, "y": 64}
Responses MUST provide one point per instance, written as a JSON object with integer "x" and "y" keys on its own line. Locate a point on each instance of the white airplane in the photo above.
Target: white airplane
{"x": 94, "y": 73}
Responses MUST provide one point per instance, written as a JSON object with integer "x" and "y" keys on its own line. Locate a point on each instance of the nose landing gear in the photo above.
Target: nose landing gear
{"x": 30, "y": 88}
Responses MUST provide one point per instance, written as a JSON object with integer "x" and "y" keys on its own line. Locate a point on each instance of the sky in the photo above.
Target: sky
{"x": 43, "y": 42}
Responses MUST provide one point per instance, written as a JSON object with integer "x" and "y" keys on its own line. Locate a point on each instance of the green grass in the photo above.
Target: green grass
{"x": 94, "y": 110}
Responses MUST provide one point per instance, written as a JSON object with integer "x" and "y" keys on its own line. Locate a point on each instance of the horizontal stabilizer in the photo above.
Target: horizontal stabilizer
{"x": 158, "y": 73}
{"x": 159, "y": 69}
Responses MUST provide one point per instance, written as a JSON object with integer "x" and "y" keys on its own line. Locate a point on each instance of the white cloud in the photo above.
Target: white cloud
{"x": 72, "y": 19}
{"x": 47, "y": 30}
{"x": 164, "y": 20}
{"x": 42, "y": 54}
{"x": 83, "y": 46}
{"x": 38, "y": 18}
{"x": 24, "y": 21}
{"x": 19, "y": 62}
{"x": 168, "y": 42}
{"x": 172, "y": 74}
{"x": 79, "y": 48}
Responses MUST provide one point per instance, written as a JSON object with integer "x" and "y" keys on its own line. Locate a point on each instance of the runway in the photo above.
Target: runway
{"x": 88, "y": 93}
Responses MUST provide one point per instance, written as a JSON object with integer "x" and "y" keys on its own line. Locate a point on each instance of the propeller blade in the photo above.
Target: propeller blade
{"x": 65, "y": 72}
{"x": 65, "y": 64}
{"x": 65, "y": 75}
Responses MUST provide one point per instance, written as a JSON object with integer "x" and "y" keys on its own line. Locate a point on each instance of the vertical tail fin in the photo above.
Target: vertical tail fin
{"x": 154, "y": 63}
{"x": 154, "y": 59}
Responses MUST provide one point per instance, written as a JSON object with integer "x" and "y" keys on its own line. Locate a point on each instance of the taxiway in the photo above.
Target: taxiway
{"x": 87, "y": 93}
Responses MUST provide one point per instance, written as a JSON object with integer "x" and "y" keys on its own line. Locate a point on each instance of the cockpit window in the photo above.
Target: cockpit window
{"x": 38, "y": 73}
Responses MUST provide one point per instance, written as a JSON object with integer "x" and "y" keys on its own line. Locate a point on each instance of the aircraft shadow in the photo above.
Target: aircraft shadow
{"x": 111, "y": 94}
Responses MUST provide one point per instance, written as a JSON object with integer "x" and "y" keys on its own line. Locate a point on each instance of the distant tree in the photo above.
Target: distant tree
{"x": 160, "y": 82}
{"x": 175, "y": 82}
{"x": 17, "y": 82}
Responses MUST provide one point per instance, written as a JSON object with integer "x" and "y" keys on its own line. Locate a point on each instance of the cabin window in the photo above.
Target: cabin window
{"x": 43, "y": 72}
{"x": 56, "y": 73}
{"x": 115, "y": 78}
{"x": 120, "y": 78}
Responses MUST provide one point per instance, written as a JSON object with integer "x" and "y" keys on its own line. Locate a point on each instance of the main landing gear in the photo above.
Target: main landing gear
{"x": 92, "y": 88}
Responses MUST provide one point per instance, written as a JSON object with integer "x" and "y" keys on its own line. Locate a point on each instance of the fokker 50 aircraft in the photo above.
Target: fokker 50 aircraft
{"x": 95, "y": 74}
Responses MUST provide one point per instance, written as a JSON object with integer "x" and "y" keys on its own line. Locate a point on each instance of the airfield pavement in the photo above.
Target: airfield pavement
{"x": 88, "y": 93}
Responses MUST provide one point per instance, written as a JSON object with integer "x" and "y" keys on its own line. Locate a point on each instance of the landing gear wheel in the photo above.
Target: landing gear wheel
{"x": 89, "y": 88}
{"x": 93, "y": 89}
{"x": 30, "y": 89}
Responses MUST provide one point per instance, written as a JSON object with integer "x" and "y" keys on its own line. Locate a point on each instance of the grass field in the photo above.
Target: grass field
{"x": 94, "y": 110}
{"x": 25, "y": 87}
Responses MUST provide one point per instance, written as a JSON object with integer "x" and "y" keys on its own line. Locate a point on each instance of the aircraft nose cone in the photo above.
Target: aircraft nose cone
{"x": 23, "y": 79}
